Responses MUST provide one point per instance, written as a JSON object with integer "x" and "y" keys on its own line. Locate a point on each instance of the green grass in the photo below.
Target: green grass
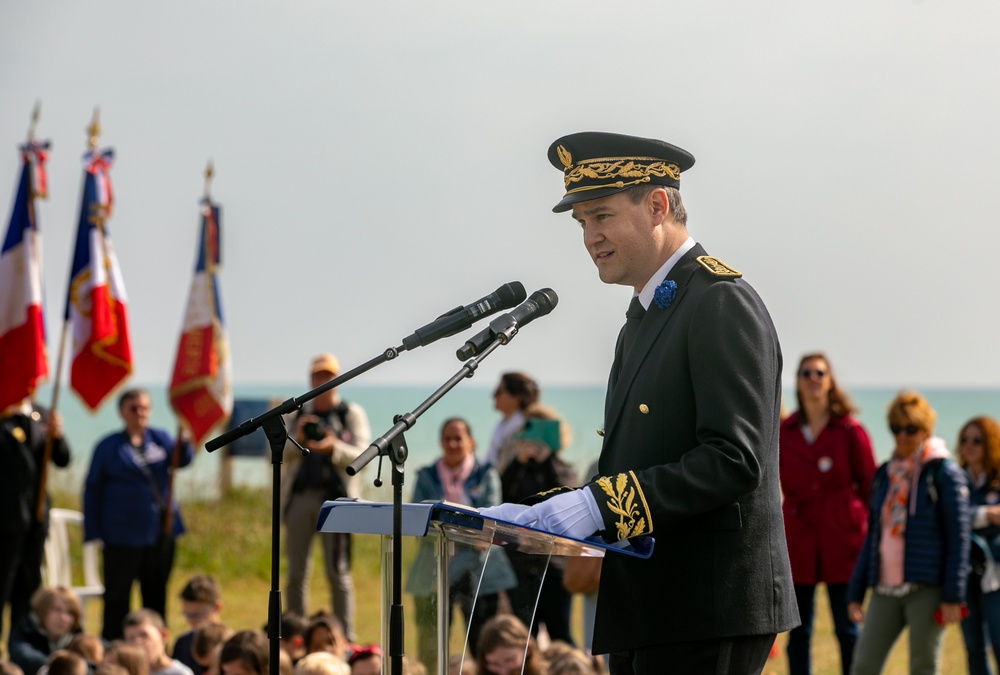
{"x": 230, "y": 539}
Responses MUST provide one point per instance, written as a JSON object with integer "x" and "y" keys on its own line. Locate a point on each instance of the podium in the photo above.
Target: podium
{"x": 453, "y": 532}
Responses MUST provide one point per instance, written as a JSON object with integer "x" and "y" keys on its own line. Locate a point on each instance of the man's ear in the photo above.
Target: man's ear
{"x": 659, "y": 205}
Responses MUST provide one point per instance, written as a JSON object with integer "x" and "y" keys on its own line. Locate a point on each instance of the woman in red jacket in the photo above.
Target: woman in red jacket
{"x": 826, "y": 464}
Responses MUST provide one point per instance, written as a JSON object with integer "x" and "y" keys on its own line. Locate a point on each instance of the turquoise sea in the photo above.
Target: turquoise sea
{"x": 581, "y": 406}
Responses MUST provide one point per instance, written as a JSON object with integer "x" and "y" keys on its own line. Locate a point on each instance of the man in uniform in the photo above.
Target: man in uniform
{"x": 690, "y": 452}
{"x": 23, "y": 431}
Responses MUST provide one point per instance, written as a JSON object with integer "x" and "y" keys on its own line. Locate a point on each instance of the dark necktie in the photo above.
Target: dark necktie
{"x": 633, "y": 317}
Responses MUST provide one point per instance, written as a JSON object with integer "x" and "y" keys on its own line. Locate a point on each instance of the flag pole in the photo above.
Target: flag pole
{"x": 168, "y": 518}
{"x": 43, "y": 477}
{"x": 93, "y": 134}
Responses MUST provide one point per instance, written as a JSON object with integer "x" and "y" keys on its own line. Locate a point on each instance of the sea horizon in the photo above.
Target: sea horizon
{"x": 581, "y": 406}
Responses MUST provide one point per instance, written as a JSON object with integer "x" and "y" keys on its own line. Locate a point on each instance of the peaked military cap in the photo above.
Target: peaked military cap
{"x": 597, "y": 164}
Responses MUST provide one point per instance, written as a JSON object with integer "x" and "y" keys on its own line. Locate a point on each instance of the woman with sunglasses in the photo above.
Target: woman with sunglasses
{"x": 915, "y": 556}
{"x": 979, "y": 455}
{"x": 826, "y": 465}
{"x": 513, "y": 395}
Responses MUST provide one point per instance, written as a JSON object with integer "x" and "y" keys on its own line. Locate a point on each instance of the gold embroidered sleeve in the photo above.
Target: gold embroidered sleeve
{"x": 623, "y": 506}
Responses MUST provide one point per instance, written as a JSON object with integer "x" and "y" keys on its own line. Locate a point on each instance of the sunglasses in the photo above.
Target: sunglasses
{"x": 806, "y": 374}
{"x": 909, "y": 429}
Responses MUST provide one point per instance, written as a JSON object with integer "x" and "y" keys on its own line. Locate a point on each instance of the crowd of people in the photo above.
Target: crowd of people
{"x": 129, "y": 507}
{"x": 51, "y": 640}
{"x": 908, "y": 544}
{"x": 911, "y": 544}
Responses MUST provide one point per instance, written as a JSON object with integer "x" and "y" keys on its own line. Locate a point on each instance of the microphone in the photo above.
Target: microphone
{"x": 461, "y": 318}
{"x": 506, "y": 326}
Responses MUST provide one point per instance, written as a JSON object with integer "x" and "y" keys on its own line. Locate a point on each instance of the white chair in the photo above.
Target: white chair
{"x": 58, "y": 566}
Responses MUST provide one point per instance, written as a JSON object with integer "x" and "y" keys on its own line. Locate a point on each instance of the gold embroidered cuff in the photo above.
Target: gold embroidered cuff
{"x": 624, "y": 507}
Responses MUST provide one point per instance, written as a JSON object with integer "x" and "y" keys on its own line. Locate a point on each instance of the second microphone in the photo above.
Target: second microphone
{"x": 540, "y": 303}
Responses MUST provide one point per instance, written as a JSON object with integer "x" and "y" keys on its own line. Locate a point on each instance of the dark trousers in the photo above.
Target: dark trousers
{"x": 20, "y": 570}
{"x": 799, "y": 638}
{"x": 981, "y": 629}
{"x": 426, "y": 611}
{"x": 554, "y": 601}
{"x": 744, "y": 655}
{"x": 476, "y": 611}
{"x": 151, "y": 565}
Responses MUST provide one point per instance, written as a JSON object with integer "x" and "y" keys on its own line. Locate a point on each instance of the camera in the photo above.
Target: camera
{"x": 314, "y": 431}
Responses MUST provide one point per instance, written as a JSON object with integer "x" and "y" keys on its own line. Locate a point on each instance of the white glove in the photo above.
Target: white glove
{"x": 506, "y": 512}
{"x": 572, "y": 514}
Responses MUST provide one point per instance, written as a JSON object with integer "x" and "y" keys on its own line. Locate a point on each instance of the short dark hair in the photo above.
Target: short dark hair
{"x": 324, "y": 620}
{"x": 521, "y": 387}
{"x": 675, "y": 204}
{"x": 201, "y": 588}
{"x": 457, "y": 420}
{"x": 131, "y": 393}
{"x": 142, "y": 617}
{"x": 292, "y": 624}
{"x": 65, "y": 662}
{"x": 250, "y": 648}
{"x": 88, "y": 646}
{"x": 207, "y": 638}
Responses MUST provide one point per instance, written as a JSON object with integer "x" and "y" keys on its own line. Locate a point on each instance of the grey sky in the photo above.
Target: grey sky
{"x": 379, "y": 163}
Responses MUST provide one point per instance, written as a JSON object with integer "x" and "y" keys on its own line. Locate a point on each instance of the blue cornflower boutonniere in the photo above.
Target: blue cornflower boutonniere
{"x": 664, "y": 293}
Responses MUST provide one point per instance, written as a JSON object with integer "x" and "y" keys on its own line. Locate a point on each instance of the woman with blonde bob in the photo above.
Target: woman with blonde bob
{"x": 915, "y": 555}
{"x": 50, "y": 626}
{"x": 979, "y": 455}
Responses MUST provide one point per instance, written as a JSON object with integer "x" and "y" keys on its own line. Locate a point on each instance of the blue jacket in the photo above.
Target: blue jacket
{"x": 936, "y": 540}
{"x": 483, "y": 489}
{"x": 119, "y": 505}
{"x": 986, "y": 495}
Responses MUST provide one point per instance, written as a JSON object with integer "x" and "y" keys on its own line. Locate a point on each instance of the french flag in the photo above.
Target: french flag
{"x": 95, "y": 300}
{"x": 201, "y": 387}
{"x": 23, "y": 361}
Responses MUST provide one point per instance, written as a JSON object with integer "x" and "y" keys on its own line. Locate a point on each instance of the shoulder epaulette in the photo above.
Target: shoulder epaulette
{"x": 717, "y": 267}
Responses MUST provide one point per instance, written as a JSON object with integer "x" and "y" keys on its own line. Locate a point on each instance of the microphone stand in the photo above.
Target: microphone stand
{"x": 274, "y": 428}
{"x": 393, "y": 445}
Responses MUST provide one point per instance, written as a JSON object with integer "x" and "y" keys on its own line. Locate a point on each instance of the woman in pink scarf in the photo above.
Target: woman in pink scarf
{"x": 915, "y": 555}
{"x": 458, "y": 477}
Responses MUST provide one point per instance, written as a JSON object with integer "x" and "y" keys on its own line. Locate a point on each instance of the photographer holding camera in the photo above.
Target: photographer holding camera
{"x": 335, "y": 432}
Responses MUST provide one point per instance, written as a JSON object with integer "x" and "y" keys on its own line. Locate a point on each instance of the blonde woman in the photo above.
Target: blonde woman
{"x": 915, "y": 556}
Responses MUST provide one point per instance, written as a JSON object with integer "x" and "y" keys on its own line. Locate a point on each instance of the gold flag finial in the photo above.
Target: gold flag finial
{"x": 94, "y": 130}
{"x": 36, "y": 113}
{"x": 209, "y": 173}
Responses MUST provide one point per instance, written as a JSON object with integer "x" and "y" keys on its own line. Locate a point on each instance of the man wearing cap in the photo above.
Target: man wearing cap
{"x": 334, "y": 432}
{"x": 690, "y": 451}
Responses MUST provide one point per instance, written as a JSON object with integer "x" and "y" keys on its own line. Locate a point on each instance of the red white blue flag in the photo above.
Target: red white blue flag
{"x": 201, "y": 387}
{"x": 95, "y": 300}
{"x": 23, "y": 361}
